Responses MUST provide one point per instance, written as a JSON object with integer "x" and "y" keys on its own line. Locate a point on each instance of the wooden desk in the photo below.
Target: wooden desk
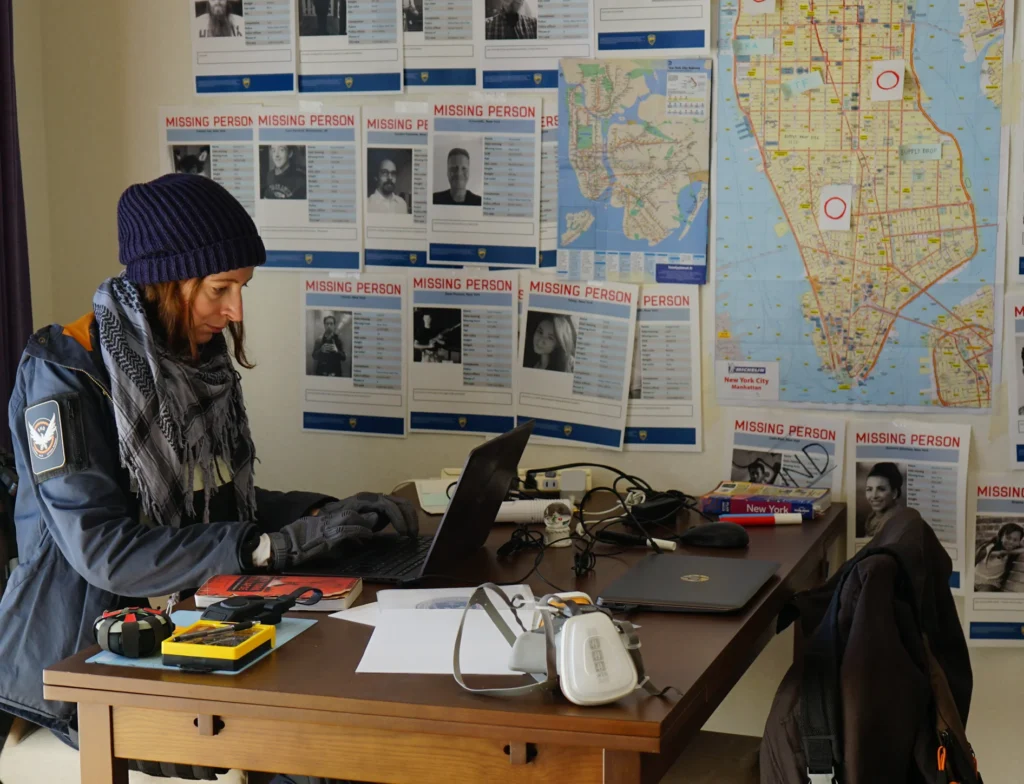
{"x": 303, "y": 710}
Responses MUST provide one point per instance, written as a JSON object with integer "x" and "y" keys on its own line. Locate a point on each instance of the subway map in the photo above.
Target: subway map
{"x": 634, "y": 161}
{"x": 897, "y": 308}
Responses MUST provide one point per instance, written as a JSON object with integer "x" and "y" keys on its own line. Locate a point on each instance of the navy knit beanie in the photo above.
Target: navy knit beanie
{"x": 183, "y": 226}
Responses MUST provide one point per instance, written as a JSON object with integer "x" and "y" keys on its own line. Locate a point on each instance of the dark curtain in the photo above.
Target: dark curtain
{"x": 15, "y": 296}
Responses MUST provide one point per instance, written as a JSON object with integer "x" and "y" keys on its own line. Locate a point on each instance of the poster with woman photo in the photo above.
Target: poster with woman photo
{"x": 995, "y": 606}
{"x": 917, "y": 465}
{"x": 880, "y": 492}
{"x": 550, "y": 341}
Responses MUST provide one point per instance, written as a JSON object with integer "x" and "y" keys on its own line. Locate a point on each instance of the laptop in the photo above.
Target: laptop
{"x": 688, "y": 583}
{"x": 483, "y": 484}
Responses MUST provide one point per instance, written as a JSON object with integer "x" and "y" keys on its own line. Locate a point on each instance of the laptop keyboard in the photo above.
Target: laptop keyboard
{"x": 391, "y": 557}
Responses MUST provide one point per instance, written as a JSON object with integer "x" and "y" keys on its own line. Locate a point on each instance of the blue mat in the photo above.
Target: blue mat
{"x": 287, "y": 630}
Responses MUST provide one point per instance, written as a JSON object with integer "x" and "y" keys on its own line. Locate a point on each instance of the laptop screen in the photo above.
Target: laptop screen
{"x": 483, "y": 484}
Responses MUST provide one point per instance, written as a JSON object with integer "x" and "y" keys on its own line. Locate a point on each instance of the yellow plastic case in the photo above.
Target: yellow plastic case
{"x": 232, "y": 654}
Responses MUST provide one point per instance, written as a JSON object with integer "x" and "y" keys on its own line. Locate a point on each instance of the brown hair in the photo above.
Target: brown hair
{"x": 174, "y": 310}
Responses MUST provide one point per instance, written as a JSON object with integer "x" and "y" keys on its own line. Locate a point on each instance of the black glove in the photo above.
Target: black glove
{"x": 312, "y": 537}
{"x": 381, "y": 510}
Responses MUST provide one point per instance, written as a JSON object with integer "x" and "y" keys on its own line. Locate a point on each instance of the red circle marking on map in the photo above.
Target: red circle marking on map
{"x": 831, "y": 208}
{"x": 758, "y": 1}
{"x": 887, "y": 75}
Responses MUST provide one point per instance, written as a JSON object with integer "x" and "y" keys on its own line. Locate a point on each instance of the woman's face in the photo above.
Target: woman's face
{"x": 544, "y": 340}
{"x": 218, "y": 302}
{"x": 1011, "y": 540}
{"x": 879, "y": 493}
{"x": 279, "y": 155}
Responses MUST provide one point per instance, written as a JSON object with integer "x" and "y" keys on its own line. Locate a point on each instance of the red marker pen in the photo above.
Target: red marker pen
{"x": 785, "y": 518}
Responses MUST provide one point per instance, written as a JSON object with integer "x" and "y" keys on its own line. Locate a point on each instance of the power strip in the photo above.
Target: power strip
{"x": 549, "y": 482}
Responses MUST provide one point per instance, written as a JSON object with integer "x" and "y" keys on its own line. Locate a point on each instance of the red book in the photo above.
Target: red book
{"x": 340, "y": 593}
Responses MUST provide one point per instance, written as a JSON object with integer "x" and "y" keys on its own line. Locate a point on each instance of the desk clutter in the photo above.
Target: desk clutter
{"x": 557, "y": 278}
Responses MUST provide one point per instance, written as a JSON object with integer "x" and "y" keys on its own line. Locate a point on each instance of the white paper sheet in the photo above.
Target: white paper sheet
{"x": 462, "y": 362}
{"x": 423, "y": 641}
{"x": 916, "y": 464}
{"x": 215, "y": 143}
{"x": 523, "y": 53}
{"x": 353, "y": 343}
{"x": 309, "y": 209}
{"x": 484, "y": 181}
{"x": 642, "y": 28}
{"x": 786, "y": 449}
{"x": 242, "y": 47}
{"x": 664, "y": 413}
{"x": 350, "y": 46}
{"x": 441, "y": 52}
{"x": 365, "y": 614}
{"x": 995, "y": 597}
{"x": 395, "y": 196}
{"x": 575, "y": 355}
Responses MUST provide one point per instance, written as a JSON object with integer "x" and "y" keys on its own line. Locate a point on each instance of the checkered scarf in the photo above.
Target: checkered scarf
{"x": 172, "y": 416}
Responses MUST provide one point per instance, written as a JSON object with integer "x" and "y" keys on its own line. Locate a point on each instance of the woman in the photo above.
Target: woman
{"x": 883, "y": 492}
{"x": 553, "y": 345}
{"x": 133, "y": 448}
{"x": 996, "y": 557}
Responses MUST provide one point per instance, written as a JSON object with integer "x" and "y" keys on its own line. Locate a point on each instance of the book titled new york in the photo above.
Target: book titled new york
{"x": 751, "y": 498}
{"x": 339, "y": 592}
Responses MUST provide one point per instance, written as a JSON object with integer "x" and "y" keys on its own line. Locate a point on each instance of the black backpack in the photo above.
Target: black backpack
{"x": 805, "y": 740}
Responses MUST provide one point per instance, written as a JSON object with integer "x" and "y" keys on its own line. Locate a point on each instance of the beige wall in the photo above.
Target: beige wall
{"x": 103, "y": 75}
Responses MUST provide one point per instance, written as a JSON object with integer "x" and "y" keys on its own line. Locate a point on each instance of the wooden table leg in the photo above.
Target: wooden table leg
{"x": 621, "y": 767}
{"x": 96, "y": 746}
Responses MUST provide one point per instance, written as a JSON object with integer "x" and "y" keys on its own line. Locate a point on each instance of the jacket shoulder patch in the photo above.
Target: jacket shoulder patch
{"x": 54, "y": 436}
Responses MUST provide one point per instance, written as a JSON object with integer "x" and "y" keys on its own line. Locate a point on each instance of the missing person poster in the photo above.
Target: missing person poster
{"x": 549, "y": 185}
{"x": 309, "y": 209}
{"x": 995, "y": 607}
{"x": 484, "y": 180}
{"x": 441, "y": 50}
{"x": 353, "y": 342}
{"x": 243, "y": 46}
{"x": 395, "y": 203}
{"x": 214, "y": 143}
{"x": 523, "y": 41}
{"x": 575, "y": 355}
{"x": 462, "y": 358}
{"x": 786, "y": 450}
{"x": 645, "y": 28}
{"x": 664, "y": 411}
{"x": 1015, "y": 375}
{"x": 911, "y": 464}
{"x": 350, "y": 46}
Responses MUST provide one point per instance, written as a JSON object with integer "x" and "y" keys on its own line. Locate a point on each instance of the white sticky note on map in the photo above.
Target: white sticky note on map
{"x": 753, "y": 47}
{"x": 834, "y": 208}
{"x": 758, "y": 7}
{"x": 921, "y": 152}
{"x": 800, "y": 84}
{"x": 887, "y": 80}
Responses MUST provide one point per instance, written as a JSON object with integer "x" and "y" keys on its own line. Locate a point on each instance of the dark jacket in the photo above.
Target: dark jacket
{"x": 887, "y": 718}
{"x": 81, "y": 547}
